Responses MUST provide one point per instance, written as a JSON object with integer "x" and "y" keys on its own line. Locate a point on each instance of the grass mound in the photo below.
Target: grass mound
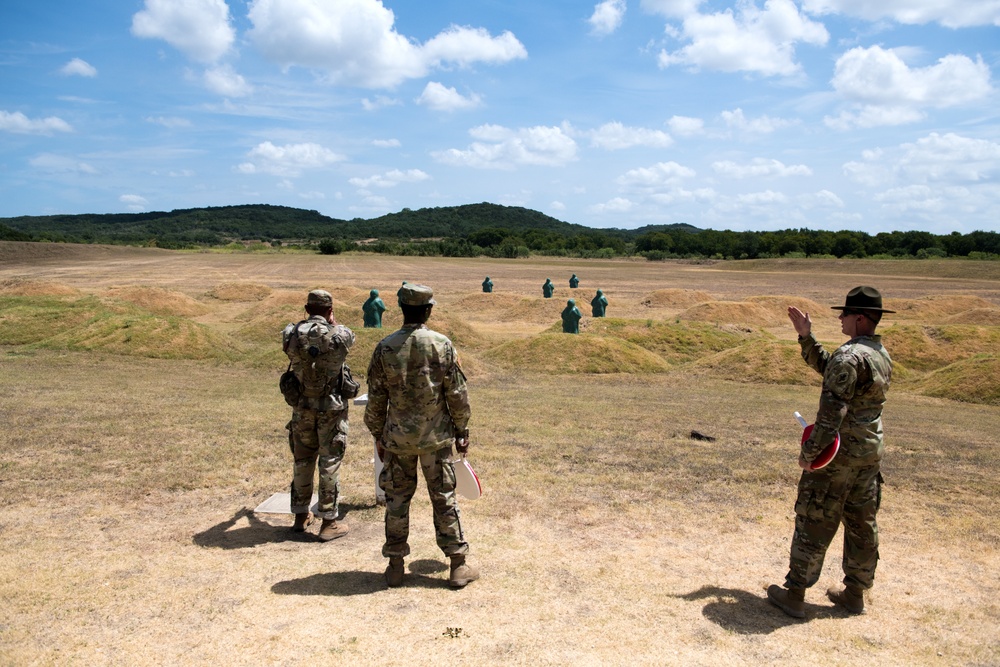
{"x": 730, "y": 312}
{"x": 760, "y": 361}
{"x": 558, "y": 353}
{"x": 980, "y": 316}
{"x": 676, "y": 342}
{"x": 243, "y": 292}
{"x": 973, "y": 380}
{"x": 159, "y": 301}
{"x": 926, "y": 348}
{"x": 936, "y": 308}
{"x": 478, "y": 304}
{"x": 117, "y": 328}
{"x": 777, "y": 306}
{"x": 675, "y": 298}
{"x": 29, "y": 287}
{"x": 538, "y": 310}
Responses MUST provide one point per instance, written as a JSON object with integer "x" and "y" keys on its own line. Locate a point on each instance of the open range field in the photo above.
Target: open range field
{"x": 142, "y": 424}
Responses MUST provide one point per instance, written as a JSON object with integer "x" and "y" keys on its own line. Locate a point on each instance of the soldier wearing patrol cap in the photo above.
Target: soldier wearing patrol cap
{"x": 418, "y": 408}
{"x": 317, "y": 348}
{"x": 848, "y": 491}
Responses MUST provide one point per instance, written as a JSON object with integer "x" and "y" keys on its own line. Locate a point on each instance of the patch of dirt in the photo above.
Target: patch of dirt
{"x": 160, "y": 301}
{"x": 242, "y": 292}
{"x": 29, "y": 287}
{"x": 675, "y": 298}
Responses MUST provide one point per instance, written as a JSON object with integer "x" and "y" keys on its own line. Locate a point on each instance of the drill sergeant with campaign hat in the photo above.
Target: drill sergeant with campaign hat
{"x": 848, "y": 490}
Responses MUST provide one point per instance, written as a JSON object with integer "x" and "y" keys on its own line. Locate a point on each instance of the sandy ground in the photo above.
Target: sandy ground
{"x": 131, "y": 564}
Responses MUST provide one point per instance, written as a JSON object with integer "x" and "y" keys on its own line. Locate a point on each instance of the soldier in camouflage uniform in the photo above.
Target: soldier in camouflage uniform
{"x": 318, "y": 429}
{"x": 418, "y": 407}
{"x": 849, "y": 490}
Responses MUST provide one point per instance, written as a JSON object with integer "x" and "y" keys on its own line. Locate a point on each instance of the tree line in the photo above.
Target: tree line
{"x": 477, "y": 230}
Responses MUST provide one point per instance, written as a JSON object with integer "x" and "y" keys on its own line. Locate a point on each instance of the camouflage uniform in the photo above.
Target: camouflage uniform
{"x": 855, "y": 381}
{"x": 417, "y": 406}
{"x": 318, "y": 429}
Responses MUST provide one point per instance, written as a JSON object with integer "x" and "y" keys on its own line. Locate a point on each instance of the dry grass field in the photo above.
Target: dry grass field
{"x": 142, "y": 424}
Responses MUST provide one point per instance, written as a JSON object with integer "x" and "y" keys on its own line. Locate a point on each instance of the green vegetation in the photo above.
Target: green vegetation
{"x": 476, "y": 230}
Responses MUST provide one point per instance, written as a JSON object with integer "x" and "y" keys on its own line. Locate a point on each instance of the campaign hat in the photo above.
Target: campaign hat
{"x": 863, "y": 299}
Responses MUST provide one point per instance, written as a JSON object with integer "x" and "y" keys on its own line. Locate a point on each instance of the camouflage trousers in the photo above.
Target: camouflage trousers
{"x": 322, "y": 436}
{"x": 399, "y": 482}
{"x": 828, "y": 498}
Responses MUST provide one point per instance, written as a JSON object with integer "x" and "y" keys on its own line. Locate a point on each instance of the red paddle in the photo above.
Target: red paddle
{"x": 827, "y": 454}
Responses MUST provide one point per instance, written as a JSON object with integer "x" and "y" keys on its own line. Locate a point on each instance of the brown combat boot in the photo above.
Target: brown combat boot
{"x": 462, "y": 574}
{"x": 394, "y": 573}
{"x": 849, "y": 597}
{"x": 792, "y": 601}
{"x": 331, "y": 530}
{"x": 301, "y": 521}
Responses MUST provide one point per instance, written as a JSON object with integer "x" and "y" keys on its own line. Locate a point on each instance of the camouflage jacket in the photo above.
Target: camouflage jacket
{"x": 855, "y": 381}
{"x": 417, "y": 397}
{"x": 320, "y": 374}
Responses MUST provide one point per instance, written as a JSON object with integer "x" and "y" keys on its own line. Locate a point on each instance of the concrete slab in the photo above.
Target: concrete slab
{"x": 280, "y": 503}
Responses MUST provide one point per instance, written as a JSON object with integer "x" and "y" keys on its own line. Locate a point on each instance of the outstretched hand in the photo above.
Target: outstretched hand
{"x": 800, "y": 320}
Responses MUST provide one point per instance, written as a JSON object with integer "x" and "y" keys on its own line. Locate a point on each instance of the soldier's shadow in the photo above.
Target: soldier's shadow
{"x": 354, "y": 582}
{"x": 744, "y": 613}
{"x": 226, "y": 535}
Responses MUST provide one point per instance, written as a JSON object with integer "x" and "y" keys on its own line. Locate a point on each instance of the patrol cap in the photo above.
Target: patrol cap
{"x": 412, "y": 294}
{"x": 863, "y": 298}
{"x": 319, "y": 297}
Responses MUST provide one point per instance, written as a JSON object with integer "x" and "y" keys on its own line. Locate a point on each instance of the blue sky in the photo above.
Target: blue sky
{"x": 754, "y": 115}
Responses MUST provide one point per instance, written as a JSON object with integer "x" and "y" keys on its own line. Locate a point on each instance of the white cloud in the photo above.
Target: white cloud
{"x": 134, "y": 202}
{"x": 821, "y": 199}
{"x": 754, "y": 40}
{"x": 686, "y": 126}
{"x": 660, "y": 174}
{"x": 765, "y": 198}
{"x": 78, "y": 67}
{"x": 224, "y": 80}
{"x": 466, "y": 46}
{"x": 200, "y": 29}
{"x": 59, "y": 164}
{"x": 671, "y": 8}
{"x": 736, "y": 120}
{"x": 390, "y": 179}
{"x": 678, "y": 195}
{"x": 354, "y": 42}
{"x": 615, "y": 136}
{"x": 879, "y": 76}
{"x": 171, "y": 122}
{"x": 760, "y": 167}
{"x": 440, "y": 98}
{"x": 557, "y": 205}
{"x": 886, "y": 91}
{"x": 386, "y": 143}
{"x": 379, "y": 102}
{"x": 18, "y": 123}
{"x": 607, "y": 17}
{"x": 288, "y": 160}
{"x": 503, "y": 148}
{"x": 615, "y": 205}
{"x": 951, "y": 14}
{"x": 948, "y": 174}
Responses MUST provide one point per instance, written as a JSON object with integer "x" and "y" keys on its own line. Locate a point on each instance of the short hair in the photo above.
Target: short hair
{"x": 317, "y": 309}
{"x": 416, "y": 314}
